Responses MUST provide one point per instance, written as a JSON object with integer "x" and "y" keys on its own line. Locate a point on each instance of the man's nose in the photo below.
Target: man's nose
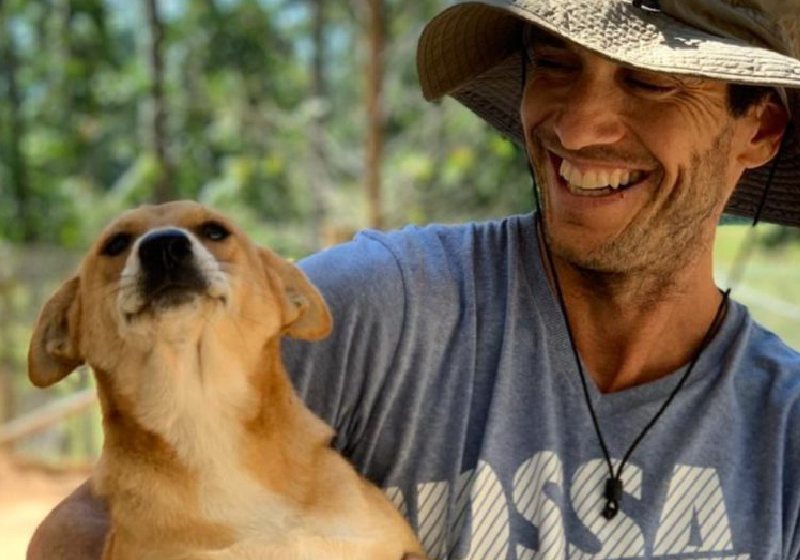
{"x": 590, "y": 115}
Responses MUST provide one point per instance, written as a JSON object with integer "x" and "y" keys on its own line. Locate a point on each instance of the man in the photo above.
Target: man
{"x": 574, "y": 383}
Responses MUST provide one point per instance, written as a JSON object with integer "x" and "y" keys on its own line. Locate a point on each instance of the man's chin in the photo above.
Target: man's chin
{"x": 590, "y": 263}
{"x": 570, "y": 243}
{"x": 622, "y": 266}
{"x": 595, "y": 256}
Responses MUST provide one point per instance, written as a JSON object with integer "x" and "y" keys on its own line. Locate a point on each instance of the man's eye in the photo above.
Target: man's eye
{"x": 116, "y": 244}
{"x": 648, "y": 85}
{"x": 214, "y": 231}
{"x": 552, "y": 64}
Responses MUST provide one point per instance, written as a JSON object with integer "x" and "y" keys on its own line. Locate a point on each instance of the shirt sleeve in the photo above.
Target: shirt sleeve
{"x": 792, "y": 489}
{"x": 340, "y": 376}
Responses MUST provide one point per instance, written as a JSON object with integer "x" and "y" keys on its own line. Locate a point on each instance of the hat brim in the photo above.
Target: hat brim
{"x": 472, "y": 51}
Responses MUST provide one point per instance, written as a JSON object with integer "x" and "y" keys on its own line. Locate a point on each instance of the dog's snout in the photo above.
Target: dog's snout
{"x": 170, "y": 272}
{"x": 168, "y": 248}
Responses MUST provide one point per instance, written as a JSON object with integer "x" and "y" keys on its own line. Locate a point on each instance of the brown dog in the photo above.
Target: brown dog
{"x": 208, "y": 453}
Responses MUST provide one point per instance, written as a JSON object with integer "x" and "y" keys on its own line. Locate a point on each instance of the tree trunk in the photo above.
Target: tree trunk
{"x": 17, "y": 164}
{"x": 164, "y": 188}
{"x": 318, "y": 156}
{"x": 374, "y": 152}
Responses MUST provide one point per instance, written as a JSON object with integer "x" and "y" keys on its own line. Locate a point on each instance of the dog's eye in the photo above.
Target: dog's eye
{"x": 117, "y": 244}
{"x": 214, "y": 231}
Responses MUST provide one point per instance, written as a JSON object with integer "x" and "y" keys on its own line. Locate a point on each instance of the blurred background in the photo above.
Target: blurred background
{"x": 302, "y": 119}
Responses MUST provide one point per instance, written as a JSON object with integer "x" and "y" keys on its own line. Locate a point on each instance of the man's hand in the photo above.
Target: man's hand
{"x": 74, "y": 530}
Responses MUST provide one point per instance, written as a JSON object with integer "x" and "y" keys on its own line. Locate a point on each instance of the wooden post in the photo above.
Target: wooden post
{"x": 46, "y": 416}
{"x": 7, "y": 393}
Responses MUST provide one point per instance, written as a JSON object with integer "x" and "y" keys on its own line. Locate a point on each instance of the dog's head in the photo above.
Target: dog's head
{"x": 161, "y": 275}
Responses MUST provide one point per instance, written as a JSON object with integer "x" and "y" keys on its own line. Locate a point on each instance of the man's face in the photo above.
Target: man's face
{"x": 634, "y": 167}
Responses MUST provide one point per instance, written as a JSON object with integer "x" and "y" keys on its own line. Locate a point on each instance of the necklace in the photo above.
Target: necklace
{"x": 613, "y": 491}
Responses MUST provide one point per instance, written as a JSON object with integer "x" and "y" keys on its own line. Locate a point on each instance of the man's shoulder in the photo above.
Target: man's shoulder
{"x": 458, "y": 236}
{"x": 760, "y": 343}
{"x": 768, "y": 368}
{"x": 413, "y": 248}
{"x": 774, "y": 356}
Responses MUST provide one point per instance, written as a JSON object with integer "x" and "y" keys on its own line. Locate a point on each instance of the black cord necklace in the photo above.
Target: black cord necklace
{"x": 613, "y": 491}
{"x": 614, "y": 486}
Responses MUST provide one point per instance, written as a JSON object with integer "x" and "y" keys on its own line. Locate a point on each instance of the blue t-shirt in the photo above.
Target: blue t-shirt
{"x": 451, "y": 383}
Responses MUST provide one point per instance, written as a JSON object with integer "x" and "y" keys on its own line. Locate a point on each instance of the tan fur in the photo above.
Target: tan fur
{"x": 208, "y": 453}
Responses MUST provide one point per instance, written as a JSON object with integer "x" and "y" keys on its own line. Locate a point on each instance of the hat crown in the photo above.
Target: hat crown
{"x": 772, "y": 24}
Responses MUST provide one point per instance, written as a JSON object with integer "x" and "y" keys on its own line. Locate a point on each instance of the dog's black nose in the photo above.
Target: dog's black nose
{"x": 170, "y": 272}
{"x": 166, "y": 250}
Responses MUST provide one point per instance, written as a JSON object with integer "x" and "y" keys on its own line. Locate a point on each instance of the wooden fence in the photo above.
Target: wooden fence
{"x": 57, "y": 422}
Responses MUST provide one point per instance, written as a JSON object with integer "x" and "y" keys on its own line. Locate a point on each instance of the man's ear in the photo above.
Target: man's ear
{"x": 53, "y": 353}
{"x": 770, "y": 119}
{"x": 305, "y": 314}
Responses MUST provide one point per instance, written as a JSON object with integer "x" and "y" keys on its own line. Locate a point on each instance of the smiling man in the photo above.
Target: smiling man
{"x": 635, "y": 168}
{"x": 573, "y": 383}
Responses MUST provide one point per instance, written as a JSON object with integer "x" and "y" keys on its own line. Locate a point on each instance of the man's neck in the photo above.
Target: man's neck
{"x": 632, "y": 329}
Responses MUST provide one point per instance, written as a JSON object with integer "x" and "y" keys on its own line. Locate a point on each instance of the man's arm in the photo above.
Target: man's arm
{"x": 74, "y": 530}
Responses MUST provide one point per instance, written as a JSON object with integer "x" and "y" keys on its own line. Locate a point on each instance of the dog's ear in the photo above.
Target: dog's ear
{"x": 53, "y": 353}
{"x": 305, "y": 314}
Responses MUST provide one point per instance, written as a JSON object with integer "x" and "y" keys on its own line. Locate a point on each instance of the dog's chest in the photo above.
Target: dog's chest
{"x": 197, "y": 398}
{"x": 195, "y": 394}
{"x": 308, "y": 547}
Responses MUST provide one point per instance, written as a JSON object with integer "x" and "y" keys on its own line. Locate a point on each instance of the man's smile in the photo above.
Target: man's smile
{"x": 592, "y": 179}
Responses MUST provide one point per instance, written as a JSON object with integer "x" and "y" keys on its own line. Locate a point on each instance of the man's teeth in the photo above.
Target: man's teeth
{"x": 595, "y": 179}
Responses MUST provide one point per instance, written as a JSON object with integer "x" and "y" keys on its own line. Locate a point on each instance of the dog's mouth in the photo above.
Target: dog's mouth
{"x": 171, "y": 296}
{"x": 174, "y": 293}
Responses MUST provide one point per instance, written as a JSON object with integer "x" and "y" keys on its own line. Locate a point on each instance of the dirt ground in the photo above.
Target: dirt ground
{"x": 27, "y": 492}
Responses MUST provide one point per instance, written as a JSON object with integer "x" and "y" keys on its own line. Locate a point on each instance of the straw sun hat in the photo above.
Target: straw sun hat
{"x": 471, "y": 51}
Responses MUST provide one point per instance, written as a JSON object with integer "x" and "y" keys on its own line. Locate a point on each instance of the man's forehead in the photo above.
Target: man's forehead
{"x": 538, "y": 36}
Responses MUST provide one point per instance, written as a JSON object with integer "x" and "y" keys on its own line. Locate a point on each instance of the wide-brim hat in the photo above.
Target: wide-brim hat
{"x": 471, "y": 52}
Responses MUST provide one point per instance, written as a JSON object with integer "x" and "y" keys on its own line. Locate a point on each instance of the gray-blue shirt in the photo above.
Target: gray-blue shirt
{"x": 450, "y": 381}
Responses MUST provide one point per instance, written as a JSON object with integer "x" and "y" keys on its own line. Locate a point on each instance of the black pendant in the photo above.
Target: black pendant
{"x": 613, "y": 496}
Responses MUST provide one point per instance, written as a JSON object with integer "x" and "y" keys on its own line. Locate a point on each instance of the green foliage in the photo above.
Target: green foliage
{"x": 250, "y": 129}
{"x": 241, "y": 119}
{"x": 768, "y": 277}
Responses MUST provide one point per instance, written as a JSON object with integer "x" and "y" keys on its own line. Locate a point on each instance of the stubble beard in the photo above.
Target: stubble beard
{"x": 663, "y": 240}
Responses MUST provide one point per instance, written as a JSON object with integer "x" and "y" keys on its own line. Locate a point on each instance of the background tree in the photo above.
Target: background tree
{"x": 15, "y": 169}
{"x": 374, "y": 95}
{"x": 318, "y": 159}
{"x": 163, "y": 189}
